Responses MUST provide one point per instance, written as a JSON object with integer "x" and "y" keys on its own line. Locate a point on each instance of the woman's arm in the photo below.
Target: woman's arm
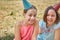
{"x": 57, "y": 34}
{"x": 17, "y": 31}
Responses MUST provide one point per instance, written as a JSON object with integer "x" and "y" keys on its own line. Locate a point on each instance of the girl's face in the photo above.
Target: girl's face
{"x": 30, "y": 16}
{"x": 51, "y": 16}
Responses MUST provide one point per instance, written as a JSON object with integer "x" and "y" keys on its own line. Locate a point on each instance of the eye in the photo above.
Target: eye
{"x": 34, "y": 15}
{"x": 53, "y": 15}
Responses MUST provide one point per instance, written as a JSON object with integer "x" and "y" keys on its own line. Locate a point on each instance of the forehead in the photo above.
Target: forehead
{"x": 32, "y": 11}
{"x": 51, "y": 11}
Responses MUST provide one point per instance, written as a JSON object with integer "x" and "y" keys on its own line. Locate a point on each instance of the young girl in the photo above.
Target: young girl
{"x": 49, "y": 24}
{"x": 28, "y": 28}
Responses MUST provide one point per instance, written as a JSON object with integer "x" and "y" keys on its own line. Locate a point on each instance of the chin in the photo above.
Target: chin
{"x": 51, "y": 23}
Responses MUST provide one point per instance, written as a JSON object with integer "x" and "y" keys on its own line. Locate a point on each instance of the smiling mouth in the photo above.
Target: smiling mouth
{"x": 50, "y": 20}
{"x": 32, "y": 21}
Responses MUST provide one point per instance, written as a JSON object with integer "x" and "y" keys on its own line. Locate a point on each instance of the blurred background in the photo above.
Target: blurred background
{"x": 11, "y": 12}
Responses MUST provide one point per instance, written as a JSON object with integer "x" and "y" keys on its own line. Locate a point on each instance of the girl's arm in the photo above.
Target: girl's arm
{"x": 57, "y": 34}
{"x": 17, "y": 31}
{"x": 37, "y": 30}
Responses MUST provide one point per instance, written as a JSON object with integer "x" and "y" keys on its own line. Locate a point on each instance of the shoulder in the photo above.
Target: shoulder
{"x": 57, "y": 25}
{"x": 17, "y": 27}
{"x": 42, "y": 23}
{"x": 18, "y": 24}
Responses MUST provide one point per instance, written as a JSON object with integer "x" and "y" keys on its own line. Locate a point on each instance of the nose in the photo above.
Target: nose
{"x": 50, "y": 17}
{"x": 32, "y": 17}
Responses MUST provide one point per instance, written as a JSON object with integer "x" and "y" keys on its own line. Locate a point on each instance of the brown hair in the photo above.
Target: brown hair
{"x": 45, "y": 14}
{"x": 33, "y": 7}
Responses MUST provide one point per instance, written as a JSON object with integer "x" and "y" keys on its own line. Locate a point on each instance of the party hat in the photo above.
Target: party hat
{"x": 26, "y": 4}
{"x": 56, "y": 6}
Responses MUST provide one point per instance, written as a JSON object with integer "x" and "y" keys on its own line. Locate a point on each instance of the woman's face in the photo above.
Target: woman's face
{"x": 30, "y": 16}
{"x": 51, "y": 17}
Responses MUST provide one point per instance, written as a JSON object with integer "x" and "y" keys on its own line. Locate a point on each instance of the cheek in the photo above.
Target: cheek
{"x": 27, "y": 18}
{"x": 54, "y": 18}
{"x": 47, "y": 18}
{"x": 35, "y": 18}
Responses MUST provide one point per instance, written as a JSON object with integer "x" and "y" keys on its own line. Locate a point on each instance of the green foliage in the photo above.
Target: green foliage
{"x": 8, "y": 37}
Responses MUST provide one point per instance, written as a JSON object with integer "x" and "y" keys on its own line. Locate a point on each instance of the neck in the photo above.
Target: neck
{"x": 49, "y": 25}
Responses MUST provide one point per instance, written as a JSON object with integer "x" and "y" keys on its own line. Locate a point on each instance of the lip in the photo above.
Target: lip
{"x": 50, "y": 20}
{"x": 31, "y": 21}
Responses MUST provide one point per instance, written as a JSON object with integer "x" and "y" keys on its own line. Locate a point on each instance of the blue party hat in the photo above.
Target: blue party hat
{"x": 26, "y": 4}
